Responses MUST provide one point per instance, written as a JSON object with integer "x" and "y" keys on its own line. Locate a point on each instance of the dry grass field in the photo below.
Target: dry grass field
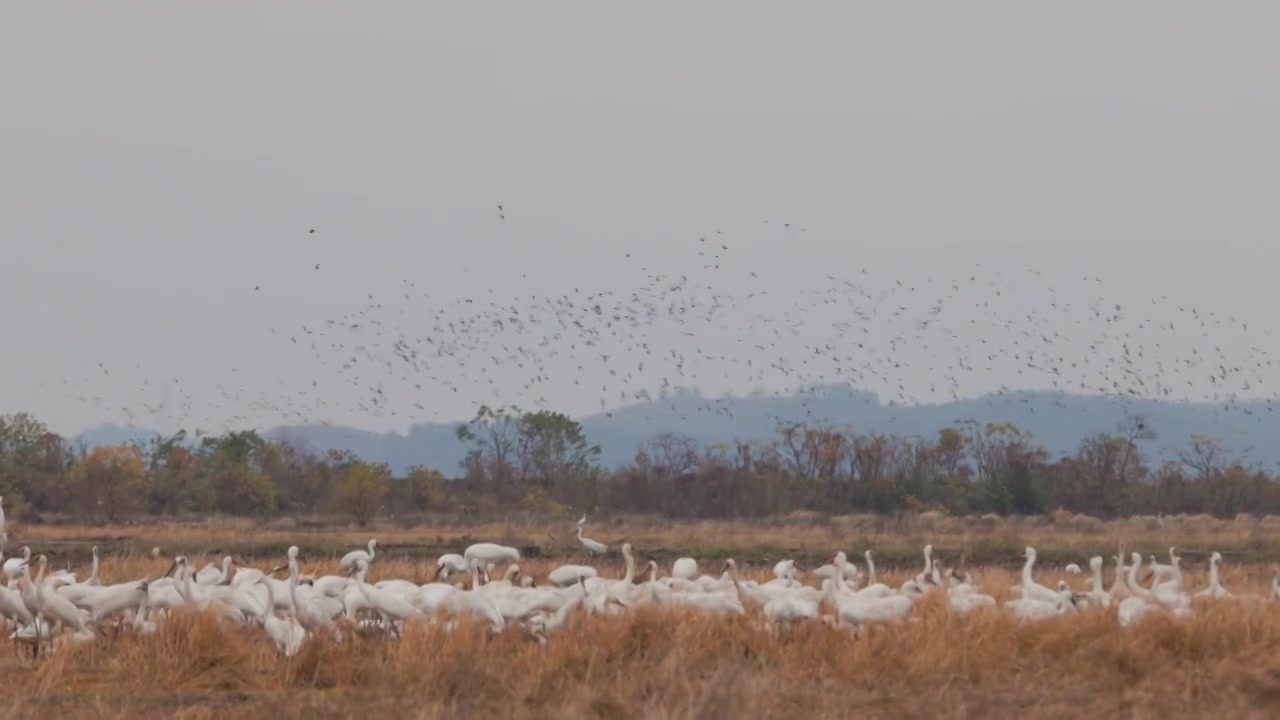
{"x": 654, "y": 662}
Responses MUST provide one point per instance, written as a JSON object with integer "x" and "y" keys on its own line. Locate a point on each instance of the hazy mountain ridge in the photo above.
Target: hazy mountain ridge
{"x": 1056, "y": 421}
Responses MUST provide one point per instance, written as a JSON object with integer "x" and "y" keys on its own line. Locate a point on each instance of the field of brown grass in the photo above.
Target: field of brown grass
{"x": 660, "y": 663}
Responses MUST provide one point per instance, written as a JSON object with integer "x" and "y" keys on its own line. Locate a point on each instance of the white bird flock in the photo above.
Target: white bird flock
{"x": 56, "y": 607}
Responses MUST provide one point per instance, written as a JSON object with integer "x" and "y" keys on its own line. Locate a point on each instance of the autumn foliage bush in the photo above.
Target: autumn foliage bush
{"x": 543, "y": 463}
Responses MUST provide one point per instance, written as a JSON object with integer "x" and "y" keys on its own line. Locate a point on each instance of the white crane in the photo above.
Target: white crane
{"x": 14, "y": 567}
{"x": 568, "y": 575}
{"x": 490, "y": 553}
{"x": 313, "y": 611}
{"x": 349, "y": 560}
{"x": 287, "y": 633}
{"x": 593, "y": 547}
{"x": 450, "y": 564}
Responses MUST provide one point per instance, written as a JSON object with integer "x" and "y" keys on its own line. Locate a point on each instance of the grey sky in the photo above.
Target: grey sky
{"x": 161, "y": 160}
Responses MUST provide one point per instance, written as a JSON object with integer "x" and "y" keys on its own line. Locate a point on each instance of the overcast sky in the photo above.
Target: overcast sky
{"x": 161, "y": 160}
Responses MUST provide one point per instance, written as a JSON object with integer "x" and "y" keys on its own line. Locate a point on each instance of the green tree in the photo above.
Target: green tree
{"x": 175, "y": 481}
{"x": 552, "y": 449}
{"x": 231, "y": 466}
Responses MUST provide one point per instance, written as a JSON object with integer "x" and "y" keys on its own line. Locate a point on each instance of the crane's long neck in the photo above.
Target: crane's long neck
{"x": 1175, "y": 568}
{"x": 1097, "y": 577}
{"x": 733, "y": 577}
{"x": 293, "y": 582}
{"x": 1213, "y": 574}
{"x": 1118, "y": 582}
{"x": 93, "y": 576}
{"x": 1135, "y": 588}
{"x": 832, "y": 584}
{"x": 141, "y": 615}
{"x": 928, "y": 558}
{"x": 363, "y": 586}
{"x": 373, "y": 548}
{"x": 44, "y": 565}
{"x": 1027, "y": 580}
{"x": 871, "y": 570}
{"x": 631, "y": 564}
{"x": 840, "y": 585}
{"x": 186, "y": 583}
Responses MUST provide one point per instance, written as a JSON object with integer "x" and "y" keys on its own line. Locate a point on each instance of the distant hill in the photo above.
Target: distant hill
{"x": 1057, "y": 421}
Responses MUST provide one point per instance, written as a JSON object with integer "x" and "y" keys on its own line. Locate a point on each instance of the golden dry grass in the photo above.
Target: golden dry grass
{"x": 658, "y": 663}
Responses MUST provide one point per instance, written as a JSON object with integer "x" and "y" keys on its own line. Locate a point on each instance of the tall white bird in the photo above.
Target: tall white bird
{"x": 490, "y": 553}
{"x": 51, "y": 606}
{"x": 389, "y": 604}
{"x": 593, "y": 547}
{"x": 568, "y": 575}
{"x": 287, "y": 633}
{"x": 450, "y": 564}
{"x": 348, "y": 561}
{"x": 13, "y": 567}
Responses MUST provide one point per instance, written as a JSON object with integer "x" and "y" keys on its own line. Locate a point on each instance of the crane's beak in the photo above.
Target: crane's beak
{"x": 172, "y": 567}
{"x": 278, "y": 569}
{"x": 439, "y": 569}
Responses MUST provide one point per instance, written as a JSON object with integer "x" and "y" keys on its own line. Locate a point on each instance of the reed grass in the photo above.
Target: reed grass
{"x": 657, "y": 662}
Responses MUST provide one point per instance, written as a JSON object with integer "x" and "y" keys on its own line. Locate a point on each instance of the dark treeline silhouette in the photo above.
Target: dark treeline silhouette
{"x": 543, "y": 462}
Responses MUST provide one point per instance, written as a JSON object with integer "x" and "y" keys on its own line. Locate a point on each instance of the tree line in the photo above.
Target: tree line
{"x": 542, "y": 462}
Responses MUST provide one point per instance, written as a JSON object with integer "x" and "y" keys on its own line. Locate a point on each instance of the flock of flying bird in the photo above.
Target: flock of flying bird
{"x": 405, "y": 353}
{"x": 57, "y": 607}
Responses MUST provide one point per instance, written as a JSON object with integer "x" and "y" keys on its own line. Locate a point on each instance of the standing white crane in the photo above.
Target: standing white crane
{"x": 287, "y": 633}
{"x": 49, "y": 605}
{"x": 348, "y": 561}
{"x": 389, "y": 604}
{"x": 490, "y": 553}
{"x": 593, "y": 547}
